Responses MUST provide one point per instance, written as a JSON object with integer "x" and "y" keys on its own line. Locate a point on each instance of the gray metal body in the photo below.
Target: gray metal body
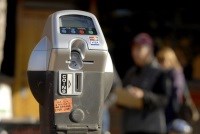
{"x": 70, "y": 73}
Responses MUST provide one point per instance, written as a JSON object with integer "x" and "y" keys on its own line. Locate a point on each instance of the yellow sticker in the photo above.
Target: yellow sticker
{"x": 63, "y": 105}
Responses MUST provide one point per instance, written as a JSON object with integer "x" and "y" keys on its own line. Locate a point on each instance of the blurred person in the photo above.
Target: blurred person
{"x": 169, "y": 62}
{"x": 5, "y": 86}
{"x": 3, "y": 13}
{"x": 148, "y": 83}
{"x": 179, "y": 92}
{"x": 110, "y": 101}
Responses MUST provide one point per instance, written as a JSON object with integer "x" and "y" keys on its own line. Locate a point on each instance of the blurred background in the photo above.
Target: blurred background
{"x": 21, "y": 26}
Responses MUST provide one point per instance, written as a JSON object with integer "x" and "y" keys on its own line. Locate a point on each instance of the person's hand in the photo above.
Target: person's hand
{"x": 136, "y": 92}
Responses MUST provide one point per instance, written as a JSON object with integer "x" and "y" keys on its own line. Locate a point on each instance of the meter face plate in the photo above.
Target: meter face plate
{"x": 77, "y": 24}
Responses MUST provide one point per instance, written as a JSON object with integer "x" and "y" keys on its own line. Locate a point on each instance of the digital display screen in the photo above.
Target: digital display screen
{"x": 77, "y": 24}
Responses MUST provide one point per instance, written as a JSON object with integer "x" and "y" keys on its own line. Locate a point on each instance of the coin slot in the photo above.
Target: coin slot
{"x": 78, "y": 82}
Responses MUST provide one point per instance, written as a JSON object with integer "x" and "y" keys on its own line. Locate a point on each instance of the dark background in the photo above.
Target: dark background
{"x": 121, "y": 21}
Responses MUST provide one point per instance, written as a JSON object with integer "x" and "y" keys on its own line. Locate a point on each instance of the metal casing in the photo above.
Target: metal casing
{"x": 70, "y": 76}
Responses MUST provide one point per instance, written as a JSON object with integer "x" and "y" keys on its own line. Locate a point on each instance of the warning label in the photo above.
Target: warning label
{"x": 63, "y": 105}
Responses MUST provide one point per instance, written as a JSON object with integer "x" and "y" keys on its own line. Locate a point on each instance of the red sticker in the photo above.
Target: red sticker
{"x": 63, "y": 105}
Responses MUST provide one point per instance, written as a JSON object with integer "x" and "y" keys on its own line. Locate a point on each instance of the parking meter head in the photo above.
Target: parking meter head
{"x": 70, "y": 72}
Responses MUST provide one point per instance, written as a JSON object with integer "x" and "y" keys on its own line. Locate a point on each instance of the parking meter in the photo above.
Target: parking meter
{"x": 70, "y": 73}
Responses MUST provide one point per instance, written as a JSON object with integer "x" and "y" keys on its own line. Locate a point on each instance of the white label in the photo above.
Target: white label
{"x": 70, "y": 83}
{"x": 66, "y": 83}
{"x": 94, "y": 42}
